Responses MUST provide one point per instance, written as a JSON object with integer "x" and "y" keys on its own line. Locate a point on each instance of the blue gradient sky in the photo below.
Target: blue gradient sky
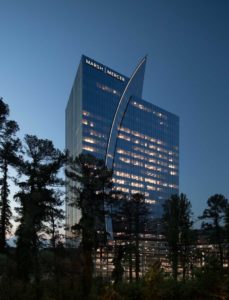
{"x": 187, "y": 73}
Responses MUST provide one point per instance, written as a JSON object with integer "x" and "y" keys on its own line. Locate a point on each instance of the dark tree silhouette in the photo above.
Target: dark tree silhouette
{"x": 187, "y": 235}
{"x": 118, "y": 270}
{"x": 178, "y": 231}
{"x": 40, "y": 171}
{"x": 54, "y": 217}
{"x": 91, "y": 184}
{"x": 140, "y": 218}
{"x": 4, "y": 112}
{"x": 132, "y": 214}
{"x": 215, "y": 214}
{"x": 10, "y": 147}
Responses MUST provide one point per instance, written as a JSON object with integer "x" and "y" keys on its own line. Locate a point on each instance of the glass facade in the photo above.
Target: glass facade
{"x": 107, "y": 117}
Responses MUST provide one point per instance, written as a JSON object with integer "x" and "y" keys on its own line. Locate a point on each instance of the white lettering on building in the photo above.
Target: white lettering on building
{"x": 95, "y": 65}
{"x": 107, "y": 71}
{"x": 115, "y": 75}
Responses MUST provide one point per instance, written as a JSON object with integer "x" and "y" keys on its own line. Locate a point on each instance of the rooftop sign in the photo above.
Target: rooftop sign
{"x": 104, "y": 69}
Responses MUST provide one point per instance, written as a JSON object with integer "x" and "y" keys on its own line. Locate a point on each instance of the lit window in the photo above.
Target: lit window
{"x": 136, "y": 163}
{"x": 89, "y": 140}
{"x": 124, "y": 137}
{"x": 173, "y": 186}
{"x": 150, "y": 188}
{"x": 122, "y": 174}
{"x": 135, "y": 191}
{"x": 122, "y": 189}
{"x": 152, "y": 160}
{"x": 137, "y": 177}
{"x": 127, "y": 130}
{"x": 126, "y": 160}
{"x": 149, "y": 201}
{"x": 152, "y": 146}
{"x": 120, "y": 151}
{"x": 150, "y": 167}
{"x": 107, "y": 89}
{"x": 135, "y": 184}
{"x": 119, "y": 181}
{"x": 91, "y": 149}
{"x": 140, "y": 106}
{"x": 172, "y": 166}
{"x": 85, "y": 113}
{"x": 150, "y": 180}
{"x": 136, "y": 141}
{"x": 97, "y": 134}
{"x": 173, "y": 173}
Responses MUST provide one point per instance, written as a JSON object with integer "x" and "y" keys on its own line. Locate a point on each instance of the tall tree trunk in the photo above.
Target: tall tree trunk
{"x": 175, "y": 263}
{"x": 185, "y": 260}
{"x": 53, "y": 238}
{"x": 87, "y": 272}
{"x": 137, "y": 256}
{"x": 137, "y": 261}
{"x": 87, "y": 268}
{"x": 184, "y": 267}
{"x": 218, "y": 233}
{"x": 130, "y": 252}
{"x": 130, "y": 265}
{"x": 220, "y": 249}
{"x": 4, "y": 194}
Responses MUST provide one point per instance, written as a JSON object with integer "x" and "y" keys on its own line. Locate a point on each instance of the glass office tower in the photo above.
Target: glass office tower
{"x": 107, "y": 117}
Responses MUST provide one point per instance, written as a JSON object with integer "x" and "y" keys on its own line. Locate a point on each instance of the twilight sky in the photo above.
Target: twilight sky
{"x": 187, "y": 72}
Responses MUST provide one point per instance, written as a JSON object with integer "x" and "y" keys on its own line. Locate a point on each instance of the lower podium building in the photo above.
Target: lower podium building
{"x": 107, "y": 117}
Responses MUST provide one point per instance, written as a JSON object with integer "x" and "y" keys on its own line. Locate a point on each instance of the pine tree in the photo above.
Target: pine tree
{"x": 132, "y": 214}
{"x": 40, "y": 171}
{"x": 178, "y": 231}
{"x": 54, "y": 217}
{"x": 91, "y": 184}
{"x": 118, "y": 270}
{"x": 4, "y": 112}
{"x": 10, "y": 147}
{"x": 215, "y": 215}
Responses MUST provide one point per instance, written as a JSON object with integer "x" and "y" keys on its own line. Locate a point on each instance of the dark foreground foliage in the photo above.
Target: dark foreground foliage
{"x": 60, "y": 271}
